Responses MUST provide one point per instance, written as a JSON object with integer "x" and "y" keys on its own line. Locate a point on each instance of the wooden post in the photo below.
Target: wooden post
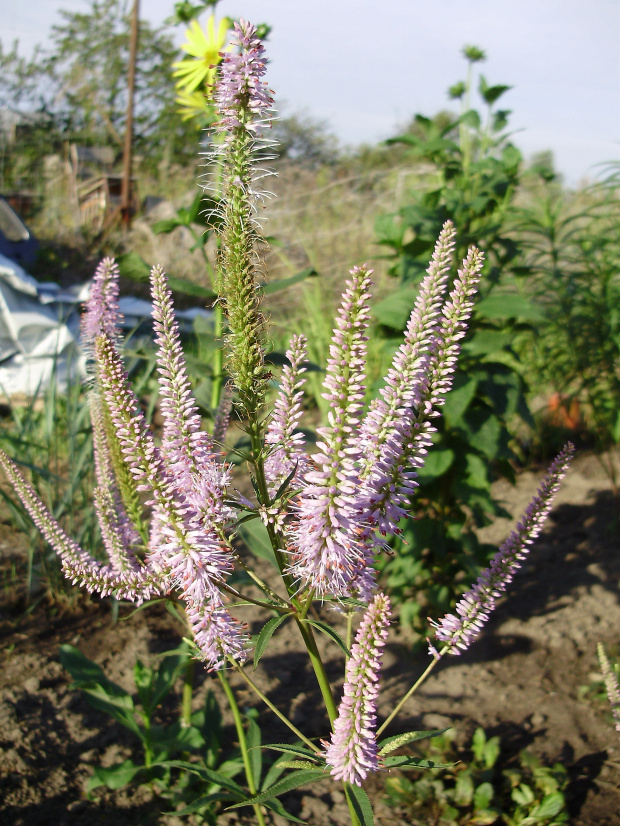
{"x": 131, "y": 82}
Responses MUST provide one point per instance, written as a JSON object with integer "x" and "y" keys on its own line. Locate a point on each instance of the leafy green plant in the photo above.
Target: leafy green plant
{"x": 197, "y": 733}
{"x": 474, "y": 172}
{"x": 571, "y": 254}
{"x": 51, "y": 433}
{"x": 478, "y": 791}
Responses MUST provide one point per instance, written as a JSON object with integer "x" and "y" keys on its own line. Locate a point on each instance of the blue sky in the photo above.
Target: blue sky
{"x": 367, "y": 67}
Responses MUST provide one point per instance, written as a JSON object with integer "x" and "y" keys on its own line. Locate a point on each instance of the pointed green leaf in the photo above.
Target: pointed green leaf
{"x": 266, "y": 634}
{"x": 167, "y": 225}
{"x": 255, "y": 536}
{"x": 361, "y": 804}
{"x": 402, "y": 761}
{"x": 398, "y": 740}
{"x": 286, "y": 749}
{"x": 278, "y": 808}
{"x": 253, "y": 739}
{"x": 133, "y": 266}
{"x": 329, "y": 631}
{"x": 205, "y": 774}
{"x": 296, "y": 764}
{"x": 114, "y": 777}
{"x": 291, "y": 781}
{"x": 199, "y": 804}
{"x": 276, "y": 286}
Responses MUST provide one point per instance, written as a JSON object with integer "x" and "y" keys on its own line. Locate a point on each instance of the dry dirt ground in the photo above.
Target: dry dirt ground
{"x": 521, "y": 680}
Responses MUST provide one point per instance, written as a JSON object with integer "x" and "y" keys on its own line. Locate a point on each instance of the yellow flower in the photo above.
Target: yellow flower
{"x": 204, "y": 48}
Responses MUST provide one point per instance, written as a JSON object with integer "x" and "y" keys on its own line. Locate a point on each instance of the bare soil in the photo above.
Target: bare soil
{"x": 521, "y": 680}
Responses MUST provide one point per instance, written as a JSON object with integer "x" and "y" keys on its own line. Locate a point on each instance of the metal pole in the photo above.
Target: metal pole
{"x": 131, "y": 82}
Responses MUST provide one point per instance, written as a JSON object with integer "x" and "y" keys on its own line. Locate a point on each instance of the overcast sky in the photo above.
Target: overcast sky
{"x": 367, "y": 67}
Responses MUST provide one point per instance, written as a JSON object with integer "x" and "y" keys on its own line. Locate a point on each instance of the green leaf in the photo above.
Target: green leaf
{"x": 277, "y": 807}
{"x": 551, "y": 805}
{"x": 133, "y": 266}
{"x": 275, "y": 286}
{"x": 361, "y": 804}
{"x": 437, "y": 463}
{"x": 509, "y": 306}
{"x": 459, "y": 399}
{"x": 394, "y": 311}
{"x": 167, "y": 674}
{"x": 253, "y": 738}
{"x": 265, "y": 635}
{"x": 291, "y": 781}
{"x": 296, "y": 764}
{"x": 182, "y": 285}
{"x": 287, "y": 749}
{"x": 199, "y": 804}
{"x": 255, "y": 536}
{"x": 483, "y": 795}
{"x": 398, "y": 740}
{"x": 205, "y": 774}
{"x": 329, "y": 632}
{"x": 114, "y": 777}
{"x": 402, "y": 761}
{"x": 167, "y": 225}
{"x": 143, "y": 678}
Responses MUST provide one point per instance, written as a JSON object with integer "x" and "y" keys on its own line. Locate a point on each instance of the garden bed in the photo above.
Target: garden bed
{"x": 523, "y": 680}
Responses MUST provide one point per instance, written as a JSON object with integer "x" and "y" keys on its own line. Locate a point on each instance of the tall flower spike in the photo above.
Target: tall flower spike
{"x": 188, "y": 451}
{"x": 611, "y": 684}
{"x": 352, "y": 753}
{"x": 402, "y": 447}
{"x": 457, "y": 631}
{"x": 325, "y": 539}
{"x": 397, "y": 396}
{"x": 102, "y": 313}
{"x": 244, "y": 103}
{"x": 189, "y": 554}
{"x": 184, "y": 444}
{"x": 287, "y": 452}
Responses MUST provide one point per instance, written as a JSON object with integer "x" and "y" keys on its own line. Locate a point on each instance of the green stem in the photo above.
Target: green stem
{"x": 188, "y": 689}
{"x": 275, "y": 710}
{"x": 354, "y": 818}
{"x": 319, "y": 669}
{"x": 218, "y": 358}
{"x": 413, "y": 688}
{"x": 243, "y": 745}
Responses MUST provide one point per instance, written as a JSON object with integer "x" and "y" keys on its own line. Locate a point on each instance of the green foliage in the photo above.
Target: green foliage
{"x": 571, "y": 254}
{"x": 80, "y": 81}
{"x": 478, "y": 791}
{"x": 474, "y": 173}
{"x": 201, "y": 735}
{"x": 51, "y": 436}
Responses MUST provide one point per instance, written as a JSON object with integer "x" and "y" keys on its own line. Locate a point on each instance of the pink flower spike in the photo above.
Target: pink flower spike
{"x": 287, "y": 451}
{"x": 457, "y": 631}
{"x": 329, "y": 551}
{"x": 353, "y": 753}
{"x": 102, "y": 314}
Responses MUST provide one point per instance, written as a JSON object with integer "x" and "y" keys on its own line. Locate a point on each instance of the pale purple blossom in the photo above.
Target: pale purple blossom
{"x": 353, "y": 751}
{"x": 328, "y": 549}
{"x": 457, "y": 631}
{"x": 102, "y": 314}
{"x": 242, "y": 96}
{"x": 397, "y": 432}
{"x": 287, "y": 443}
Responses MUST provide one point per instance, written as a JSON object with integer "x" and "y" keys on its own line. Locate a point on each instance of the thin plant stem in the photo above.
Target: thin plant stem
{"x": 188, "y": 690}
{"x": 319, "y": 669}
{"x": 413, "y": 688}
{"x": 243, "y": 745}
{"x": 274, "y": 708}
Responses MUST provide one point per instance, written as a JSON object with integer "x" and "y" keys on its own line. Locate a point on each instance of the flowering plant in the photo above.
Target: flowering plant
{"x": 168, "y": 511}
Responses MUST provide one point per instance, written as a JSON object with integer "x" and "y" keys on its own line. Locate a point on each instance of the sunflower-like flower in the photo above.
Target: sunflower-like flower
{"x": 196, "y": 74}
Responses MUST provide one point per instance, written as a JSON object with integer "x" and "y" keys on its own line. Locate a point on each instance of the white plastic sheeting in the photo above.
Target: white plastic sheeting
{"x": 40, "y": 326}
{"x": 39, "y": 329}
